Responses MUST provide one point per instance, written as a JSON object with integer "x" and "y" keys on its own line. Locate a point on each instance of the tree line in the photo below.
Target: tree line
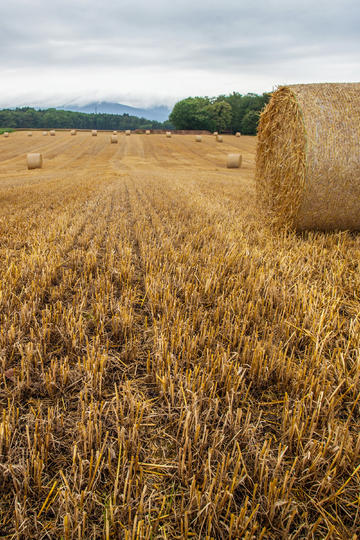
{"x": 231, "y": 113}
{"x": 28, "y": 117}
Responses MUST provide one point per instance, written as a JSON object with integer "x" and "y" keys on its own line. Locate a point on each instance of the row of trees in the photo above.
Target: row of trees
{"x": 235, "y": 112}
{"x": 27, "y": 117}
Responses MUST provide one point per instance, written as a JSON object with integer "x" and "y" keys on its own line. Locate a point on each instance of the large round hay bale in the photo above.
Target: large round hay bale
{"x": 73, "y": 132}
{"x": 215, "y": 133}
{"x": 238, "y": 134}
{"x": 127, "y": 132}
{"x": 34, "y": 161}
{"x": 308, "y": 157}
{"x": 93, "y": 133}
{"x": 233, "y": 161}
{"x": 198, "y": 138}
{"x": 52, "y": 133}
{"x": 45, "y": 133}
{"x": 113, "y": 139}
{"x": 219, "y": 138}
{"x": 29, "y": 134}
{"x": 6, "y": 134}
{"x": 114, "y": 132}
{"x": 147, "y": 132}
{"x": 168, "y": 134}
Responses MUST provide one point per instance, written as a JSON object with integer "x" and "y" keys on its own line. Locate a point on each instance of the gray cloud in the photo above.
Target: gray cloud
{"x": 75, "y": 47}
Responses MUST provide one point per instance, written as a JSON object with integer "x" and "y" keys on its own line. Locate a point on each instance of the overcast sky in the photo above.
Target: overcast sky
{"x": 151, "y": 52}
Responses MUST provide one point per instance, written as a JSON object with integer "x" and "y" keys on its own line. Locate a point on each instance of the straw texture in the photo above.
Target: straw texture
{"x": 45, "y": 133}
{"x": 219, "y": 138}
{"x": 52, "y": 133}
{"x": 233, "y": 161}
{"x": 73, "y": 132}
{"x": 34, "y": 161}
{"x": 6, "y": 133}
{"x": 308, "y": 157}
{"x": 168, "y": 134}
{"x": 147, "y": 132}
{"x": 94, "y": 133}
{"x": 113, "y": 139}
{"x": 198, "y": 138}
{"x": 29, "y": 134}
{"x": 115, "y": 132}
{"x": 127, "y": 132}
{"x": 238, "y": 134}
{"x": 216, "y": 133}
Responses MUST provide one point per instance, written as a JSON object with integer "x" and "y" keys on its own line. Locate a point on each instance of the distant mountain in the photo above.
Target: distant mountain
{"x": 160, "y": 113}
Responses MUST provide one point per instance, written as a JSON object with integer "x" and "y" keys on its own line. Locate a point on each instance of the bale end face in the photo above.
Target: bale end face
{"x": 73, "y": 132}
{"x": 238, "y": 134}
{"x": 168, "y": 134}
{"x": 52, "y": 133}
{"x": 113, "y": 139}
{"x": 219, "y": 138}
{"x": 6, "y": 134}
{"x": 34, "y": 161}
{"x": 215, "y": 133}
{"x": 147, "y": 132}
{"x": 127, "y": 132}
{"x": 234, "y": 161}
{"x": 198, "y": 138}
{"x": 29, "y": 134}
{"x": 94, "y": 133}
{"x": 45, "y": 133}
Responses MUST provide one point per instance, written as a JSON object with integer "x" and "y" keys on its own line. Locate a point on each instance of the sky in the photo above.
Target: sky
{"x": 155, "y": 52}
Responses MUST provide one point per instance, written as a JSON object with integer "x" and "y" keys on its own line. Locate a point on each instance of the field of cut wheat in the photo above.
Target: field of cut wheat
{"x": 170, "y": 367}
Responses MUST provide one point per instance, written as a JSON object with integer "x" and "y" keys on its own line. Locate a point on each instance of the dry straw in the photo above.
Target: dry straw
{"x": 45, "y": 133}
{"x": 73, "y": 132}
{"x": 233, "y": 161}
{"x": 198, "y": 138}
{"x": 168, "y": 134}
{"x": 52, "y": 133}
{"x": 93, "y": 133}
{"x": 147, "y": 132}
{"x": 115, "y": 132}
{"x": 216, "y": 133}
{"x": 6, "y": 134}
{"x": 127, "y": 132}
{"x": 34, "y": 161}
{"x": 238, "y": 134}
{"x": 29, "y": 134}
{"x": 113, "y": 139}
{"x": 219, "y": 138}
{"x": 308, "y": 157}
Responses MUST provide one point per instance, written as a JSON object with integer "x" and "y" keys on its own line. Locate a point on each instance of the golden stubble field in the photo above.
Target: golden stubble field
{"x": 170, "y": 367}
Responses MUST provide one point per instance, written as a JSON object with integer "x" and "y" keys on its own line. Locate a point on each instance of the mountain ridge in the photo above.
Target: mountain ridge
{"x": 159, "y": 113}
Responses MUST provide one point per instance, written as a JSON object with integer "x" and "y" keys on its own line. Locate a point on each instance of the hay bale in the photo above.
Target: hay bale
{"x": 308, "y": 157}
{"x": 113, "y": 139}
{"x": 215, "y": 133}
{"x": 45, "y": 133}
{"x": 198, "y": 138}
{"x": 94, "y": 133}
{"x": 34, "y": 161}
{"x": 52, "y": 132}
{"x": 73, "y": 132}
{"x": 6, "y": 134}
{"x": 147, "y": 132}
{"x": 219, "y": 138}
{"x": 114, "y": 132}
{"x": 168, "y": 134}
{"x": 238, "y": 134}
{"x": 127, "y": 132}
{"x": 29, "y": 134}
{"x": 233, "y": 161}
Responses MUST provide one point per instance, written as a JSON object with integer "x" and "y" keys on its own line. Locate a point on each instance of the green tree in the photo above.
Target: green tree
{"x": 190, "y": 113}
{"x": 220, "y": 115}
{"x": 249, "y": 122}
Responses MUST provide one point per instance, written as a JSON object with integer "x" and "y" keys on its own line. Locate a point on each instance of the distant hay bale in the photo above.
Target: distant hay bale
{"x": 127, "y": 132}
{"x": 233, "y": 161}
{"x": 94, "y": 133}
{"x": 308, "y": 157}
{"x": 113, "y": 139}
{"x": 45, "y": 133}
{"x": 6, "y": 134}
{"x": 198, "y": 138}
{"x": 73, "y": 132}
{"x": 219, "y": 138}
{"x": 168, "y": 134}
{"x": 238, "y": 134}
{"x": 34, "y": 161}
{"x": 29, "y": 134}
{"x": 147, "y": 132}
{"x": 215, "y": 133}
{"x": 52, "y": 133}
{"x": 114, "y": 132}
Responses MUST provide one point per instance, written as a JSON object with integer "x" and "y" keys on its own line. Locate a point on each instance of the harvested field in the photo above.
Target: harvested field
{"x": 170, "y": 367}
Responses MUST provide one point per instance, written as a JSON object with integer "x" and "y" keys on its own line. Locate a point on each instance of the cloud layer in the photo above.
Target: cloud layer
{"x": 145, "y": 53}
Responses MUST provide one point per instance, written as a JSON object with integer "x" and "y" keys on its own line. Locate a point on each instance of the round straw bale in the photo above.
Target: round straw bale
{"x": 127, "y": 132}
{"x": 45, "y": 133}
{"x": 219, "y": 138}
{"x": 94, "y": 133}
{"x": 198, "y": 138}
{"x": 6, "y": 133}
{"x": 29, "y": 134}
{"x": 113, "y": 139}
{"x": 215, "y": 133}
{"x": 52, "y": 133}
{"x": 233, "y": 161}
{"x": 147, "y": 132}
{"x": 168, "y": 134}
{"x": 114, "y": 132}
{"x": 34, "y": 161}
{"x": 238, "y": 134}
{"x": 308, "y": 157}
{"x": 73, "y": 132}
